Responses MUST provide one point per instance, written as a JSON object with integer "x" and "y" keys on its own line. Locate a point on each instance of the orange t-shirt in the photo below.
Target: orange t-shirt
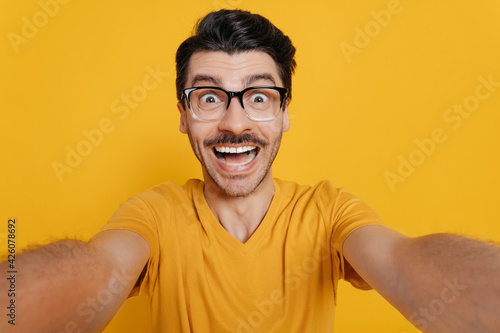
{"x": 283, "y": 279}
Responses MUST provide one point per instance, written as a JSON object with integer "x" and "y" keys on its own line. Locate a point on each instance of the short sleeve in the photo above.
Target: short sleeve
{"x": 345, "y": 213}
{"x": 142, "y": 214}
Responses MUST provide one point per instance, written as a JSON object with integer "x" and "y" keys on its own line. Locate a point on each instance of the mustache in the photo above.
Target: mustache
{"x": 226, "y": 138}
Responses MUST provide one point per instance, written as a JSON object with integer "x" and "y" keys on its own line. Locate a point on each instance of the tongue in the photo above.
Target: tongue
{"x": 236, "y": 158}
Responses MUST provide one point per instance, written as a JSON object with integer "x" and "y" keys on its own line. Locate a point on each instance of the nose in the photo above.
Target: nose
{"x": 235, "y": 119}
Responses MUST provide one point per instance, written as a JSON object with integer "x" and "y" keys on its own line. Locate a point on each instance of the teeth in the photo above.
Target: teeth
{"x": 234, "y": 150}
{"x": 249, "y": 159}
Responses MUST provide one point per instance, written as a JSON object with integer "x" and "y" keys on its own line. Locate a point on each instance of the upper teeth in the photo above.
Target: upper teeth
{"x": 234, "y": 150}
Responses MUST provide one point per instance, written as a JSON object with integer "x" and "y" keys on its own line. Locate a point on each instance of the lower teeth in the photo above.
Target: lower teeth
{"x": 251, "y": 155}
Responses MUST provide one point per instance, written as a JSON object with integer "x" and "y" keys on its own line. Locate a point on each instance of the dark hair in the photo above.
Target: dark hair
{"x": 234, "y": 31}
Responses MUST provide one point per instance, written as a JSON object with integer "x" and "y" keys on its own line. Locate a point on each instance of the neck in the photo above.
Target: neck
{"x": 240, "y": 216}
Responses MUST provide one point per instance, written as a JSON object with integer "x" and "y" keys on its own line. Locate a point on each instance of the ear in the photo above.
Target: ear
{"x": 286, "y": 117}
{"x": 183, "y": 122}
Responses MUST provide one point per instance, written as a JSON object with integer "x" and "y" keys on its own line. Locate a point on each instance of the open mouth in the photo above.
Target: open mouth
{"x": 236, "y": 156}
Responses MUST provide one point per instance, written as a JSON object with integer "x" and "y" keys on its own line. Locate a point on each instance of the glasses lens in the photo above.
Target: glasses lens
{"x": 208, "y": 103}
{"x": 262, "y": 103}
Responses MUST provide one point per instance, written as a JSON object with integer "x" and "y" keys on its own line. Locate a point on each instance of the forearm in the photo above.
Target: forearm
{"x": 452, "y": 284}
{"x": 57, "y": 289}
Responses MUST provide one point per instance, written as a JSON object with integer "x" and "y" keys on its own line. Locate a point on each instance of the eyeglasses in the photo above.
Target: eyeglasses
{"x": 259, "y": 103}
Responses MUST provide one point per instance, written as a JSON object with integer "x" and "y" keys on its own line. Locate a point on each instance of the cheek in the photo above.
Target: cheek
{"x": 199, "y": 131}
{"x": 273, "y": 129}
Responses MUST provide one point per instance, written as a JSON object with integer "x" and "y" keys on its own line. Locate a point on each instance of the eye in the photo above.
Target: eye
{"x": 259, "y": 98}
{"x": 209, "y": 99}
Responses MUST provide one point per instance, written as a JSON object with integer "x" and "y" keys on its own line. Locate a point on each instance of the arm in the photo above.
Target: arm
{"x": 440, "y": 282}
{"x": 75, "y": 286}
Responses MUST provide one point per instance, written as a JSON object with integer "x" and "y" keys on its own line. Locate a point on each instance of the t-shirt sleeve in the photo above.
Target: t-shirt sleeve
{"x": 141, "y": 214}
{"x": 345, "y": 213}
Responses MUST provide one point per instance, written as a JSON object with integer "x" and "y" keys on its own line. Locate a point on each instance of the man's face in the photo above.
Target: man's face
{"x": 241, "y": 173}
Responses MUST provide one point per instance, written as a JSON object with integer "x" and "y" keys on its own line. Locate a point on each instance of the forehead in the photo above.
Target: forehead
{"x": 232, "y": 71}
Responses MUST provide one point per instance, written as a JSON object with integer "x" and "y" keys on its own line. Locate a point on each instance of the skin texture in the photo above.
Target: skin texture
{"x": 441, "y": 283}
{"x": 62, "y": 282}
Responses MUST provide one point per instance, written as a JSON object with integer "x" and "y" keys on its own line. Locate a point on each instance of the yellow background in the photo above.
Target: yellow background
{"x": 351, "y": 120}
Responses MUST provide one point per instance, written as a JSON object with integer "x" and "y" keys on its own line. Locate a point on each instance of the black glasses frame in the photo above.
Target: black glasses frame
{"x": 230, "y": 94}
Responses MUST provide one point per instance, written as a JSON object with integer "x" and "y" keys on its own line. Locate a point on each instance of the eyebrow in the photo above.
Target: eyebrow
{"x": 206, "y": 78}
{"x": 218, "y": 82}
{"x": 258, "y": 77}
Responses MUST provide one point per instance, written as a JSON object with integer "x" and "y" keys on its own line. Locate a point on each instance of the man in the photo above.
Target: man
{"x": 241, "y": 251}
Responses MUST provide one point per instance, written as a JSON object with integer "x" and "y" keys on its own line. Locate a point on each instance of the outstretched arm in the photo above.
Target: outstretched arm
{"x": 75, "y": 286}
{"x": 440, "y": 282}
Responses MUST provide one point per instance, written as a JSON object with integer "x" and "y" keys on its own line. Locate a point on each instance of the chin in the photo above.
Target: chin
{"x": 238, "y": 187}
{"x": 234, "y": 188}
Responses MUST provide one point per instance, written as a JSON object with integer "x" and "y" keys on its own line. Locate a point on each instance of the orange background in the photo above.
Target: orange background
{"x": 373, "y": 78}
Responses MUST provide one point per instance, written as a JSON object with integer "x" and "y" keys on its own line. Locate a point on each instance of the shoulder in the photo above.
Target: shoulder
{"x": 321, "y": 188}
{"x": 324, "y": 194}
{"x": 170, "y": 190}
{"x": 159, "y": 198}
